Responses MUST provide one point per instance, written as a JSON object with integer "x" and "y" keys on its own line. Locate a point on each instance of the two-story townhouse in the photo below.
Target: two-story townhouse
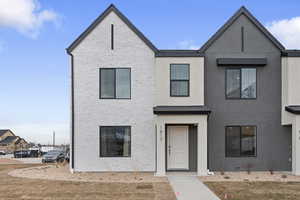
{"x": 231, "y": 105}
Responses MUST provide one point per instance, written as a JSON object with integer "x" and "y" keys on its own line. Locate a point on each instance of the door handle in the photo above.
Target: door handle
{"x": 169, "y": 149}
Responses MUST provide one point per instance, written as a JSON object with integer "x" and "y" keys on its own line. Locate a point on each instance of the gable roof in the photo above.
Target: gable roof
{"x": 110, "y": 9}
{"x": 242, "y": 11}
{"x": 3, "y": 131}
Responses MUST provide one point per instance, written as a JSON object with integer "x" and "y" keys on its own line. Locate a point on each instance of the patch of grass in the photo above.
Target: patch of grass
{"x": 256, "y": 190}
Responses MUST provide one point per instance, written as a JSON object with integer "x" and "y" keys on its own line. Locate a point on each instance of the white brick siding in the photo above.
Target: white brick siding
{"x": 90, "y": 112}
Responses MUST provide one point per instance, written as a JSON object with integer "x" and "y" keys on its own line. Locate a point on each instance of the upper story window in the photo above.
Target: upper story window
{"x": 115, "y": 83}
{"x": 241, "y": 83}
{"x": 240, "y": 141}
{"x": 180, "y": 80}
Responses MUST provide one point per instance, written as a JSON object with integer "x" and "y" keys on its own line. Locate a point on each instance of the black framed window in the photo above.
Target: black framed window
{"x": 240, "y": 141}
{"x": 115, "y": 141}
{"x": 115, "y": 83}
{"x": 179, "y": 80}
{"x": 241, "y": 83}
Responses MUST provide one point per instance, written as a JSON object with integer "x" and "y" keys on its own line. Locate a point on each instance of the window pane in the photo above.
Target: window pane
{"x": 115, "y": 142}
{"x": 106, "y": 134}
{"x": 248, "y": 83}
{"x": 179, "y": 72}
{"x": 123, "y": 83}
{"x": 248, "y": 142}
{"x": 233, "y": 83}
{"x": 107, "y": 83}
{"x": 232, "y": 141}
{"x": 179, "y": 88}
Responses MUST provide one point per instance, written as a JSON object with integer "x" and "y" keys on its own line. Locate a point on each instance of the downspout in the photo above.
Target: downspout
{"x": 72, "y": 109}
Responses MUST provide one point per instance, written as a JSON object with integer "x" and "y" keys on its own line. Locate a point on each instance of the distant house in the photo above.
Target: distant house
{"x": 9, "y": 142}
{"x": 5, "y": 133}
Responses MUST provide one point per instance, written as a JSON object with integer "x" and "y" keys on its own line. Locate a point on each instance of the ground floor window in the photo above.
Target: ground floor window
{"x": 240, "y": 141}
{"x": 115, "y": 141}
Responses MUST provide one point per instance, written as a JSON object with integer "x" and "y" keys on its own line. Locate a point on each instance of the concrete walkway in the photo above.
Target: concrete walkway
{"x": 190, "y": 188}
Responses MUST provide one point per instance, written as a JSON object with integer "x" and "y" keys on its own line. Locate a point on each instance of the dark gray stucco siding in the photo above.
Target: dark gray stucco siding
{"x": 273, "y": 139}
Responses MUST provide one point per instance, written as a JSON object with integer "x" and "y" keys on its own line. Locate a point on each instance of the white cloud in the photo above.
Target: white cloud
{"x": 188, "y": 44}
{"x": 26, "y": 16}
{"x": 286, "y": 31}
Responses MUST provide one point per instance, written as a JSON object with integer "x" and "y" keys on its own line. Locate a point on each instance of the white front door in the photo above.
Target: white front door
{"x": 178, "y": 148}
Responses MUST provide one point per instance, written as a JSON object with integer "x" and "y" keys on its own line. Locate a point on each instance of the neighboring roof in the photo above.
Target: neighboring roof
{"x": 179, "y": 53}
{"x": 2, "y": 131}
{"x": 293, "y": 109}
{"x": 110, "y": 9}
{"x": 242, "y": 11}
{"x": 9, "y": 139}
{"x": 165, "y": 110}
{"x": 291, "y": 53}
{"x": 241, "y": 61}
{"x": 20, "y": 140}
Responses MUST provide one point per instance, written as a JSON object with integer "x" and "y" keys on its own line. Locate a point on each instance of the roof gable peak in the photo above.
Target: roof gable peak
{"x": 108, "y": 10}
{"x": 241, "y": 11}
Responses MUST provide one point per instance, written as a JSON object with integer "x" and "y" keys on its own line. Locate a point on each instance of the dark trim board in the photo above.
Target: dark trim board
{"x": 178, "y": 53}
{"x": 110, "y": 9}
{"x": 290, "y": 53}
{"x": 293, "y": 109}
{"x": 258, "y": 62}
{"x": 183, "y": 110}
{"x": 72, "y": 111}
{"x": 112, "y": 37}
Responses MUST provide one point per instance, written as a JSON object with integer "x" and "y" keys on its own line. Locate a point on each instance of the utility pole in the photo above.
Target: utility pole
{"x": 53, "y": 138}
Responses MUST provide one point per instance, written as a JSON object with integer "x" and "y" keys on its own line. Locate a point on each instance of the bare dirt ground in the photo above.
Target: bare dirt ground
{"x": 252, "y": 177}
{"x": 9, "y": 161}
{"x": 254, "y": 186}
{"x": 14, "y": 188}
{"x": 62, "y": 172}
{"x": 256, "y": 190}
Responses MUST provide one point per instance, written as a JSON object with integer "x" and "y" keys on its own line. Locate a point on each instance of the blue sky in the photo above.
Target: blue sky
{"x": 34, "y": 66}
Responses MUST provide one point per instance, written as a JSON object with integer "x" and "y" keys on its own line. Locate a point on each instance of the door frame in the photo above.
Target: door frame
{"x": 166, "y": 148}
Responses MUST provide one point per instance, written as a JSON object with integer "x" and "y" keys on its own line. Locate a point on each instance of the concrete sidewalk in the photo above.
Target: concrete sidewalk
{"x": 190, "y": 188}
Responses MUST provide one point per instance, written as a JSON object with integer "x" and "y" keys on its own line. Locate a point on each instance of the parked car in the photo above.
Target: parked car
{"x": 67, "y": 158}
{"x": 2, "y": 153}
{"x": 53, "y": 156}
{"x": 22, "y": 154}
{"x": 34, "y": 153}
